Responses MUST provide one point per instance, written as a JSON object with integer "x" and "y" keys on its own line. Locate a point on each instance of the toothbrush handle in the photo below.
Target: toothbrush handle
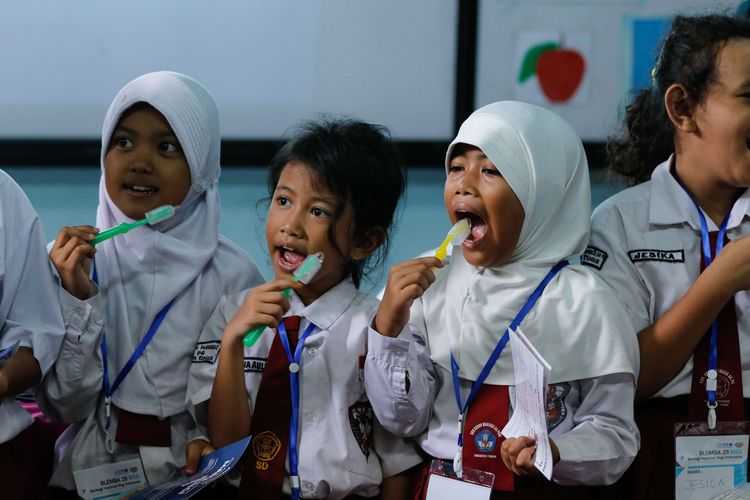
{"x": 109, "y": 233}
{"x": 253, "y": 335}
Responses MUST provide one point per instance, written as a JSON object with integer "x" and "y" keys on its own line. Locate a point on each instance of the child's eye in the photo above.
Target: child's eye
{"x": 282, "y": 201}
{"x": 170, "y": 147}
{"x": 455, "y": 168}
{"x": 123, "y": 143}
{"x": 319, "y": 212}
{"x": 490, "y": 171}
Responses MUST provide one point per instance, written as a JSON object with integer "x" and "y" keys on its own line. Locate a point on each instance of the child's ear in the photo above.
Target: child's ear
{"x": 680, "y": 108}
{"x": 367, "y": 243}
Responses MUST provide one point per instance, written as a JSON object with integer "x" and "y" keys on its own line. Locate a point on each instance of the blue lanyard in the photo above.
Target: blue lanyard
{"x": 294, "y": 368}
{"x": 708, "y": 257}
{"x": 109, "y": 390}
{"x": 463, "y": 409}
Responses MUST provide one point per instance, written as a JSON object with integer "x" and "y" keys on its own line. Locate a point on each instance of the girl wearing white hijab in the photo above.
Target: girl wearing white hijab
{"x": 519, "y": 173}
{"x": 160, "y": 145}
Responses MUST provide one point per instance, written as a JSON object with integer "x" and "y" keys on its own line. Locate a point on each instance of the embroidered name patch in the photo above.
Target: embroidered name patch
{"x": 594, "y": 257}
{"x": 206, "y": 352}
{"x": 647, "y": 254}
{"x": 255, "y": 365}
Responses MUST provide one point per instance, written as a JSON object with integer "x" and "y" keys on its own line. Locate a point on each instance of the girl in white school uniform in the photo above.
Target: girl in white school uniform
{"x": 31, "y": 327}
{"x": 334, "y": 189}
{"x": 687, "y": 144}
{"x": 153, "y": 288}
{"x": 519, "y": 173}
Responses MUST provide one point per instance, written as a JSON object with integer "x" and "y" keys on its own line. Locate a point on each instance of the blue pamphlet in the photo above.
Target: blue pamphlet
{"x": 211, "y": 467}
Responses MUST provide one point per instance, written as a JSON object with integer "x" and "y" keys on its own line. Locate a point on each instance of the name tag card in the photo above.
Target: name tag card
{"x": 444, "y": 485}
{"x": 110, "y": 480}
{"x": 709, "y": 464}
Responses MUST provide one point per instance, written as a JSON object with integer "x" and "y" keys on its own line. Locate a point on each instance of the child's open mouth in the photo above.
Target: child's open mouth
{"x": 140, "y": 190}
{"x": 478, "y": 227}
{"x": 290, "y": 259}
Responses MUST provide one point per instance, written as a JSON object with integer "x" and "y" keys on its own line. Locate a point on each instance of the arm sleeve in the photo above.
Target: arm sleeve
{"x": 607, "y": 256}
{"x": 396, "y": 454}
{"x": 605, "y": 439}
{"x": 400, "y": 378}
{"x": 70, "y": 391}
{"x": 203, "y": 366}
{"x": 28, "y": 288}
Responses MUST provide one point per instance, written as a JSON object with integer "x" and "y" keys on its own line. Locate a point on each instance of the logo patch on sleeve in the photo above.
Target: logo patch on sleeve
{"x": 206, "y": 352}
{"x": 648, "y": 254}
{"x": 255, "y": 364}
{"x": 594, "y": 257}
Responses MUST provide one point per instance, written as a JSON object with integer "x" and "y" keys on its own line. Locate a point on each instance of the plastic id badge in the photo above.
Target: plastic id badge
{"x": 710, "y": 463}
{"x": 113, "y": 480}
{"x": 444, "y": 485}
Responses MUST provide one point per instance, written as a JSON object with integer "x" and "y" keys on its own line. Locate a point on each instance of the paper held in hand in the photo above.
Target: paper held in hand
{"x": 529, "y": 416}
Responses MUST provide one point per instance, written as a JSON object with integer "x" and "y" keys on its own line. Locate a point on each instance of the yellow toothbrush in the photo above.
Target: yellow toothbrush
{"x": 456, "y": 236}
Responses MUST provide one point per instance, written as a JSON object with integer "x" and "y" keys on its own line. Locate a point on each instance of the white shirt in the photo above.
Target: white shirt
{"x": 646, "y": 244}
{"x": 333, "y": 462}
{"x": 590, "y": 420}
{"x": 72, "y": 391}
{"x": 29, "y": 301}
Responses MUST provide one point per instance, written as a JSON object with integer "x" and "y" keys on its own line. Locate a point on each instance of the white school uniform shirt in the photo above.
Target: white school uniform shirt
{"x": 29, "y": 301}
{"x": 182, "y": 258}
{"x": 590, "y": 419}
{"x": 577, "y": 324}
{"x": 646, "y": 244}
{"x": 334, "y": 457}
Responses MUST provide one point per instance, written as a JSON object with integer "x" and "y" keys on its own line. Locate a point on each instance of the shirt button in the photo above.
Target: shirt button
{"x": 310, "y": 417}
{"x": 312, "y": 351}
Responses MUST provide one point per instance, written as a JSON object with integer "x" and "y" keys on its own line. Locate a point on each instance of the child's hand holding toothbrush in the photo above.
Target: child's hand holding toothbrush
{"x": 71, "y": 255}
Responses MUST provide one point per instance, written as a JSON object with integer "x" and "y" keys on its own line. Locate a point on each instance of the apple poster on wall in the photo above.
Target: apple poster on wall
{"x": 552, "y": 67}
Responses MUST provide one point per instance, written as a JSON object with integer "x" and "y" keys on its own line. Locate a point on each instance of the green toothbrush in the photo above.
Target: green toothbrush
{"x": 303, "y": 274}
{"x": 152, "y": 216}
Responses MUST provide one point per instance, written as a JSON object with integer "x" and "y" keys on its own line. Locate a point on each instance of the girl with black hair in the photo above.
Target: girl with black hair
{"x": 334, "y": 189}
{"x": 659, "y": 244}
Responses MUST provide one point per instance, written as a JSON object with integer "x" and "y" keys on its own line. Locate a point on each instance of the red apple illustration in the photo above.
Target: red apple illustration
{"x": 560, "y": 71}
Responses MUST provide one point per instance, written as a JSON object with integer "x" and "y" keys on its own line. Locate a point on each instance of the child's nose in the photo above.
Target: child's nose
{"x": 466, "y": 184}
{"x": 141, "y": 161}
{"x": 293, "y": 225}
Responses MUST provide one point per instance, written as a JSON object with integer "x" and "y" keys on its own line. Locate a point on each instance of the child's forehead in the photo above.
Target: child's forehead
{"x": 144, "y": 108}
{"x": 300, "y": 176}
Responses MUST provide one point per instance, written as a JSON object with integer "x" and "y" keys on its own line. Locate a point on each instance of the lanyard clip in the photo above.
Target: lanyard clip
{"x": 108, "y": 441}
{"x": 711, "y": 376}
{"x": 712, "y": 415}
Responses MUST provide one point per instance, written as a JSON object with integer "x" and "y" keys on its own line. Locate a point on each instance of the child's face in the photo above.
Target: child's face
{"x": 723, "y": 119}
{"x": 475, "y": 189}
{"x": 145, "y": 167}
{"x": 300, "y": 214}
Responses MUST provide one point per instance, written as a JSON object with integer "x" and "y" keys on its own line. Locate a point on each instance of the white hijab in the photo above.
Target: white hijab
{"x": 143, "y": 270}
{"x": 577, "y": 325}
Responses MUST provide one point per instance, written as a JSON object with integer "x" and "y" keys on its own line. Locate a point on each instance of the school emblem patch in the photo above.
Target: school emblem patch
{"x": 594, "y": 257}
{"x": 556, "y": 409}
{"x": 206, "y": 352}
{"x": 724, "y": 382}
{"x": 360, "y": 420}
{"x": 485, "y": 441}
{"x": 266, "y": 445}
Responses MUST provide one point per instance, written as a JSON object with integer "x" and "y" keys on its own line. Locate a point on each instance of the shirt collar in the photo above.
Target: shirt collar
{"x": 324, "y": 311}
{"x": 670, "y": 204}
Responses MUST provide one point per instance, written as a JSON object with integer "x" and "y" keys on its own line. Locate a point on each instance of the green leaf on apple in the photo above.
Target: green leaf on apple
{"x": 528, "y": 66}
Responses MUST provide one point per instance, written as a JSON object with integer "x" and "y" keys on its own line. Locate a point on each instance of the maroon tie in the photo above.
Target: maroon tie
{"x": 729, "y": 396}
{"x": 264, "y": 471}
{"x": 487, "y": 416}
